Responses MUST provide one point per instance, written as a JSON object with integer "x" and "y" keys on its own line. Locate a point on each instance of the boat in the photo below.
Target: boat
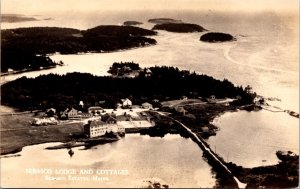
{"x": 71, "y": 152}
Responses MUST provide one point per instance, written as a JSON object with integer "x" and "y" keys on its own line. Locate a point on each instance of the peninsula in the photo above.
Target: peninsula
{"x": 28, "y": 48}
{"x": 55, "y": 94}
{"x": 186, "y": 109}
{"x": 62, "y": 91}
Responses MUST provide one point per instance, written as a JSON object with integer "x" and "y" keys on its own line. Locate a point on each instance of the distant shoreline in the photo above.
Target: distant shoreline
{"x": 14, "y": 18}
{"x": 103, "y": 38}
{"x": 17, "y": 127}
{"x": 16, "y": 72}
{"x": 26, "y": 70}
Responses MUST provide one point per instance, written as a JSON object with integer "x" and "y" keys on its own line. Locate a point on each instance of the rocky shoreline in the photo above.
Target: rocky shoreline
{"x": 285, "y": 172}
{"x": 27, "y": 70}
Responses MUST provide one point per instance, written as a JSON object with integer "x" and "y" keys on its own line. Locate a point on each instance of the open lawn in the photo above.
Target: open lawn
{"x": 16, "y": 132}
{"x": 173, "y": 103}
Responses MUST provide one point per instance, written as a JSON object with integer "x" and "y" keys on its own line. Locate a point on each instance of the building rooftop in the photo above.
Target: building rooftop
{"x": 95, "y": 108}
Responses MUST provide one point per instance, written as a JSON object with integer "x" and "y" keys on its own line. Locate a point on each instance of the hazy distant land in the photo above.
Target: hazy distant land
{"x": 16, "y": 18}
{"x": 164, "y": 21}
{"x": 132, "y": 23}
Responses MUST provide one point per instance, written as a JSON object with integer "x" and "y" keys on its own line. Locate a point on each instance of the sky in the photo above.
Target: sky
{"x": 38, "y": 6}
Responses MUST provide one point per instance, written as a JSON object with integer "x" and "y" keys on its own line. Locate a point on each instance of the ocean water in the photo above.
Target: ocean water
{"x": 264, "y": 56}
{"x": 177, "y": 162}
{"x": 251, "y": 139}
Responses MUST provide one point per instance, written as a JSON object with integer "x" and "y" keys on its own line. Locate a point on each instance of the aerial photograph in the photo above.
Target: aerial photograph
{"x": 149, "y": 94}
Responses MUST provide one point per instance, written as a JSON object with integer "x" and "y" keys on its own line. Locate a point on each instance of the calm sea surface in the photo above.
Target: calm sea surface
{"x": 247, "y": 138}
{"x": 265, "y": 56}
{"x": 172, "y": 160}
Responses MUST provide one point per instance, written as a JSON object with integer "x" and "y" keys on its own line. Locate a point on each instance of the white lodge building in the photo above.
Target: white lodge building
{"x": 98, "y": 128}
{"x": 126, "y": 103}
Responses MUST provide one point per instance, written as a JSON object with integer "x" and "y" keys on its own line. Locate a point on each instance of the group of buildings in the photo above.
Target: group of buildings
{"x": 73, "y": 114}
{"x": 100, "y": 123}
{"x": 104, "y": 125}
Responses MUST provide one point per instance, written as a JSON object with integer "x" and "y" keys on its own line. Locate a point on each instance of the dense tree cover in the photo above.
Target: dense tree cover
{"x": 40, "y": 40}
{"x": 21, "y": 60}
{"x": 179, "y": 27}
{"x": 67, "y": 90}
{"x": 132, "y": 23}
{"x": 46, "y": 40}
{"x": 118, "y": 31}
{"x": 124, "y": 67}
{"x": 216, "y": 37}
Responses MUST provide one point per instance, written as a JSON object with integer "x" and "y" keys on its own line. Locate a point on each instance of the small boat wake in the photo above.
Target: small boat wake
{"x": 265, "y": 68}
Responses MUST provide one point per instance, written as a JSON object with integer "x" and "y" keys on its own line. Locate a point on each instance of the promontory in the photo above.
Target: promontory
{"x": 28, "y": 48}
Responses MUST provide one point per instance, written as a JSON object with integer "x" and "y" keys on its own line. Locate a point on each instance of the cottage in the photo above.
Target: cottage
{"x": 74, "y": 114}
{"x": 205, "y": 130}
{"x": 81, "y": 115}
{"x": 109, "y": 118}
{"x": 81, "y": 103}
{"x": 190, "y": 116}
{"x": 10, "y": 71}
{"x": 258, "y": 101}
{"x": 155, "y": 101}
{"x": 184, "y": 98}
{"x": 238, "y": 97}
{"x": 180, "y": 110}
{"x": 95, "y": 110}
{"x": 148, "y": 72}
{"x": 212, "y": 99}
{"x": 147, "y": 105}
{"x": 102, "y": 102}
{"x": 126, "y": 69}
{"x": 126, "y": 103}
{"x": 143, "y": 114}
{"x": 51, "y": 112}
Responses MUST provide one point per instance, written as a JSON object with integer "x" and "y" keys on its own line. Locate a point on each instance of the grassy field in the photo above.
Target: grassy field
{"x": 173, "y": 103}
{"x": 16, "y": 132}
